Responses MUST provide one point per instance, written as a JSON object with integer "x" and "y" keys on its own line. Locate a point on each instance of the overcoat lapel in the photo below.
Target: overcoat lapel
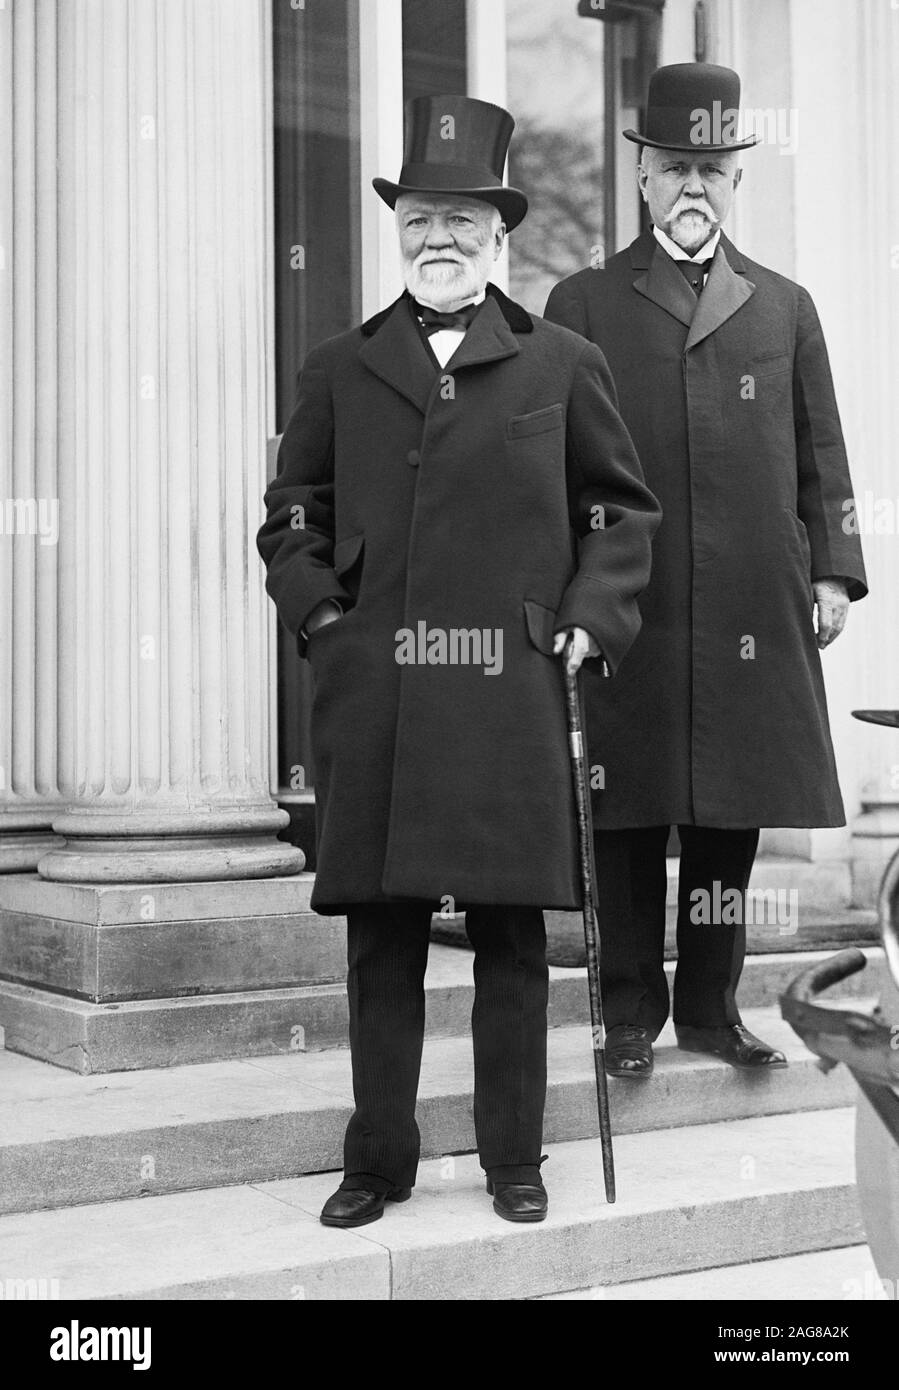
{"x": 489, "y": 339}
{"x": 725, "y": 292}
{"x": 661, "y": 280}
{"x": 393, "y": 350}
{"x": 726, "y": 289}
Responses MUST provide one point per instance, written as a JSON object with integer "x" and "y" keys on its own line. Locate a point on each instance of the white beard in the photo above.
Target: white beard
{"x": 691, "y": 230}
{"x": 447, "y": 287}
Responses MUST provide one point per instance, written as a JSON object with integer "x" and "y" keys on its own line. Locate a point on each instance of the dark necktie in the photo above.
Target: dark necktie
{"x": 433, "y": 320}
{"x": 694, "y": 273}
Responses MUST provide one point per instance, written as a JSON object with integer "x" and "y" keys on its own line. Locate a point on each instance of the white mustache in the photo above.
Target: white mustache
{"x": 698, "y": 208}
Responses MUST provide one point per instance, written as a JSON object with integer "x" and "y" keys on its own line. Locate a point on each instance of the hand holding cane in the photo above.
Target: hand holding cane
{"x": 591, "y": 933}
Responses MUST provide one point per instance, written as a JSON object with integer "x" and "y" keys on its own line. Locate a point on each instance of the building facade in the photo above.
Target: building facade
{"x": 185, "y": 209}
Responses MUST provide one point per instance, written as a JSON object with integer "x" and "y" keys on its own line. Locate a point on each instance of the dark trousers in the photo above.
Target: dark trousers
{"x": 387, "y": 951}
{"x": 631, "y": 883}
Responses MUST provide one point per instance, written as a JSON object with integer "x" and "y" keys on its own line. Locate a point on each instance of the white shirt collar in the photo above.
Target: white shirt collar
{"x": 478, "y": 299}
{"x": 677, "y": 253}
{"x": 446, "y": 340}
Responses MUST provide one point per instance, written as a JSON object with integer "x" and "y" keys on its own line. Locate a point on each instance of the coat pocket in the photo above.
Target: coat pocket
{"x": 551, "y": 417}
{"x": 771, "y": 364}
{"x": 348, "y": 554}
{"x": 540, "y": 622}
{"x": 802, "y": 545}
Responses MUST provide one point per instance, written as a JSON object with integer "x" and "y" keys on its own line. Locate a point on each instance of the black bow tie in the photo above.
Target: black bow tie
{"x": 694, "y": 272}
{"x": 433, "y": 320}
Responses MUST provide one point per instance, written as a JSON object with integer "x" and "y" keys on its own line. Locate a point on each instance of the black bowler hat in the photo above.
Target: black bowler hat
{"x": 693, "y": 106}
{"x": 459, "y": 145}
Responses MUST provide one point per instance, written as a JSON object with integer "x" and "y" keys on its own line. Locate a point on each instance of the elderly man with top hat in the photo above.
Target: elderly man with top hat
{"x": 717, "y": 721}
{"x": 431, "y": 540}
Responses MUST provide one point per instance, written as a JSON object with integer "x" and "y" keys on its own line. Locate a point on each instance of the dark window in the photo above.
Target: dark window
{"x": 434, "y": 48}
{"x": 316, "y": 166}
{"x": 318, "y": 282}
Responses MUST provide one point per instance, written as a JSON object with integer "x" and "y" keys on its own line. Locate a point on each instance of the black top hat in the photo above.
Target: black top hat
{"x": 693, "y": 106}
{"x": 456, "y": 144}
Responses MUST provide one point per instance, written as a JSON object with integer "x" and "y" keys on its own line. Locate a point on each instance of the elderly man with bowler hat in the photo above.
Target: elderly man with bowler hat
{"x": 717, "y": 721}
{"x": 432, "y": 540}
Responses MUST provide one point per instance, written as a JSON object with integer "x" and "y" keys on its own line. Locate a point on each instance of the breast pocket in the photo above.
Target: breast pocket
{"x": 538, "y": 437}
{"x": 772, "y": 364}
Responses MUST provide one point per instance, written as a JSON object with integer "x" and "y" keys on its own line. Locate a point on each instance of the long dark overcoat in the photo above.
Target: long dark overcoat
{"x": 499, "y": 495}
{"x": 718, "y": 716}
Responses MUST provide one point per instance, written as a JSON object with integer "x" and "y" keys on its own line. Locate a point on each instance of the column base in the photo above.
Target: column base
{"x": 117, "y": 978}
{"x": 25, "y": 837}
{"x": 21, "y": 851}
{"x": 153, "y": 847}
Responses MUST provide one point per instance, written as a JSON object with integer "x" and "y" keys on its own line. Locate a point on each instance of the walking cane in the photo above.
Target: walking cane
{"x": 591, "y": 933}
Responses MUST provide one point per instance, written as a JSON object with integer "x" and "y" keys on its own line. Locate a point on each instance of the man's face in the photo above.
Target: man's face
{"x": 448, "y": 246}
{"x": 689, "y": 195}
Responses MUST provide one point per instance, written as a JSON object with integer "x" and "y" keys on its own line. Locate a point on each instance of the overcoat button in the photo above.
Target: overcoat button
{"x": 414, "y": 458}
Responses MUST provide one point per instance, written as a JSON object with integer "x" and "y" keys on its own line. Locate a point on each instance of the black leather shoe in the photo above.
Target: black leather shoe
{"x": 734, "y": 1044}
{"x": 518, "y": 1201}
{"x": 629, "y": 1051}
{"x": 359, "y": 1205}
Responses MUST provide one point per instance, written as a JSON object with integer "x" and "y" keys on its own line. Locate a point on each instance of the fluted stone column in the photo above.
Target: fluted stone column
{"x": 29, "y": 796}
{"x": 136, "y": 660}
{"x": 848, "y": 250}
{"x": 837, "y": 235}
{"x": 156, "y": 239}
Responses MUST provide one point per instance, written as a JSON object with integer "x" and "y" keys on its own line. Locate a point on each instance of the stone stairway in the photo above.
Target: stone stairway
{"x": 715, "y": 1169}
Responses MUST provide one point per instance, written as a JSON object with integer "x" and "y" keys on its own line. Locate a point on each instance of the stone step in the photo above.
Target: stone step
{"x": 810, "y": 929}
{"x": 66, "y": 1139}
{"x": 688, "y": 1198}
{"x": 111, "y": 942}
{"x": 847, "y": 1275}
{"x": 104, "y": 942}
{"x": 93, "y": 1038}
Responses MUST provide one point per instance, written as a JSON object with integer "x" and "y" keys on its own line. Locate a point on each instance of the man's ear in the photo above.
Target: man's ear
{"x": 738, "y": 176}
{"x": 499, "y": 237}
{"x": 642, "y": 176}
